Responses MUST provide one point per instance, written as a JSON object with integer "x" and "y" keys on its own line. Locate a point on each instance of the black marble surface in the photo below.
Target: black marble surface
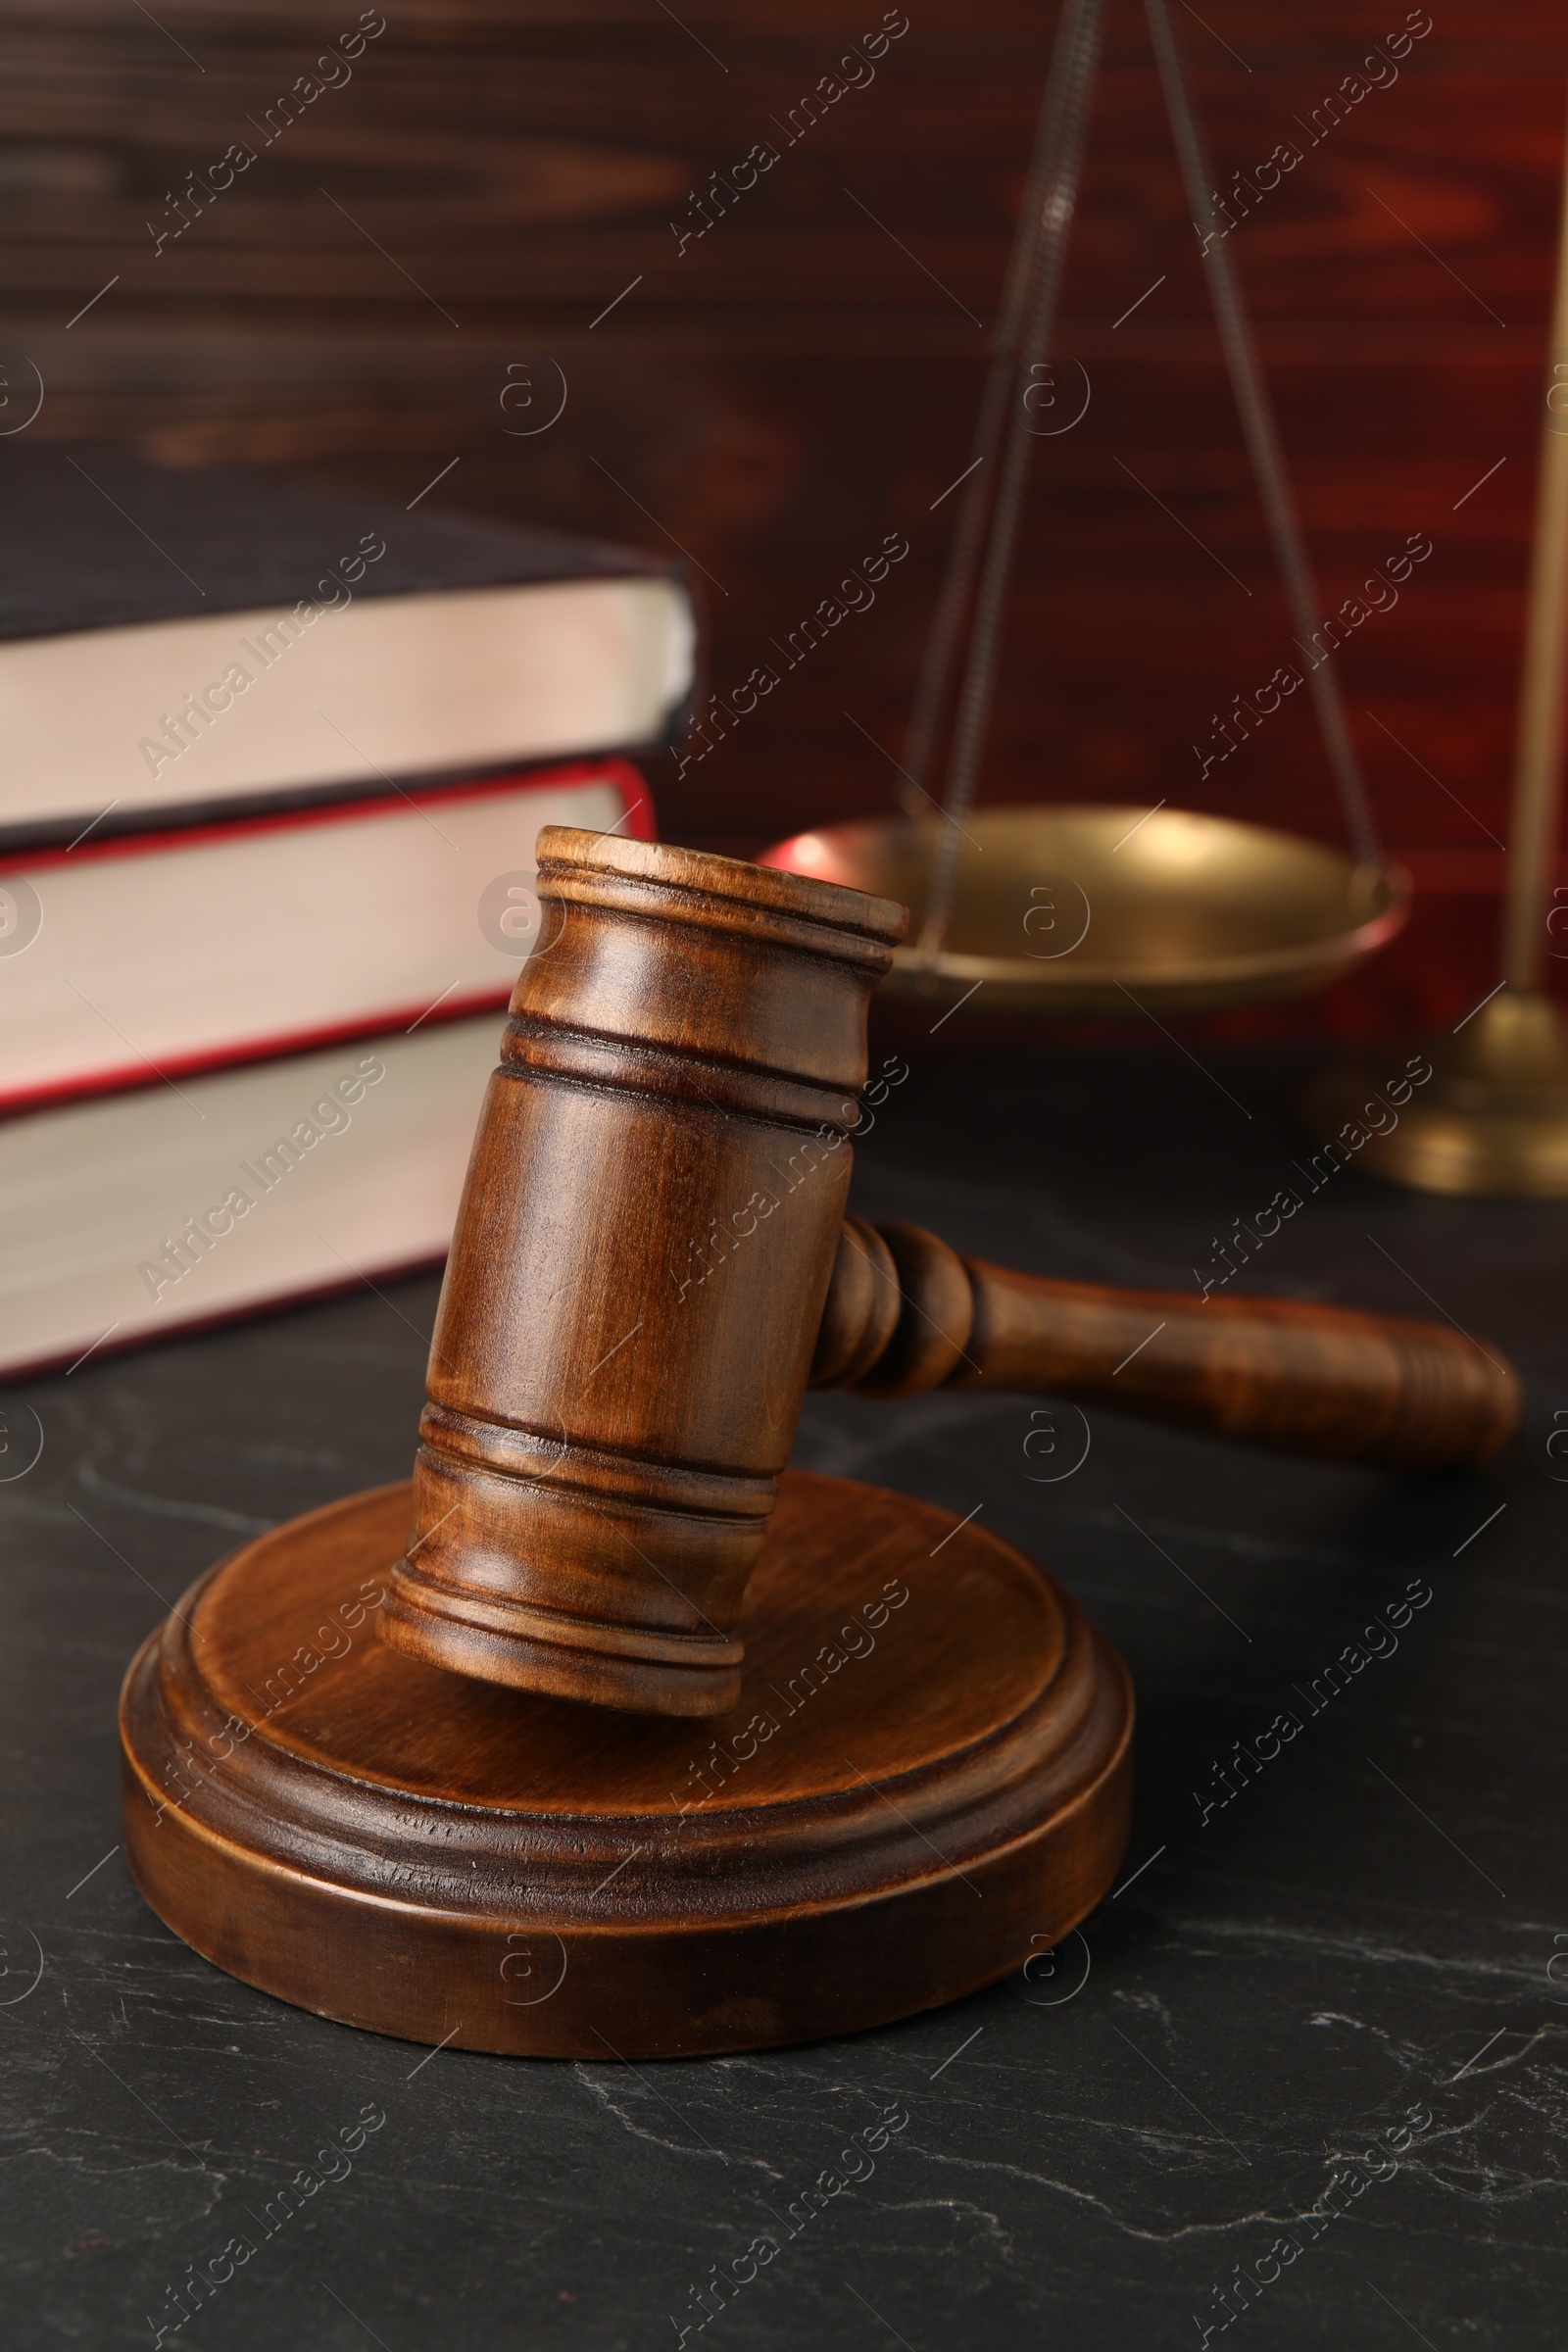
{"x": 1369, "y": 1928}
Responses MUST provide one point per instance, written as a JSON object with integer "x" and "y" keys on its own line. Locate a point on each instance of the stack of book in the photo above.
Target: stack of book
{"x": 274, "y": 763}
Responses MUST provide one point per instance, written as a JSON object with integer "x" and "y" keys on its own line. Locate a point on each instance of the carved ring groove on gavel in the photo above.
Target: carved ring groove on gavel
{"x": 605, "y": 1426}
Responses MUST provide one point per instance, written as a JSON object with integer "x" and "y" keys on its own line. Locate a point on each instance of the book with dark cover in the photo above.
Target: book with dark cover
{"x": 94, "y": 539}
{"x": 176, "y": 646}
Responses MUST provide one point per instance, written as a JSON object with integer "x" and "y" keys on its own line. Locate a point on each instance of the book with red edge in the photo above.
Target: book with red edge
{"x": 161, "y": 954}
{"x": 175, "y": 1204}
{"x": 306, "y": 1011}
{"x": 276, "y": 764}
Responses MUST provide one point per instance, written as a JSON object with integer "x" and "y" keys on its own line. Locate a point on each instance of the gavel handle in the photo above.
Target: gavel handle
{"x": 905, "y": 1313}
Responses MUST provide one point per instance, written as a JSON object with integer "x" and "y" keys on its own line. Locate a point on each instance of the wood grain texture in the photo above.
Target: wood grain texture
{"x": 651, "y": 1259}
{"x": 780, "y": 394}
{"x": 926, "y": 1774}
{"x": 644, "y": 1244}
{"x": 905, "y": 1313}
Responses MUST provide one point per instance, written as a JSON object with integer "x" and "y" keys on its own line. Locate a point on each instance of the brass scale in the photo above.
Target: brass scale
{"x": 1093, "y": 910}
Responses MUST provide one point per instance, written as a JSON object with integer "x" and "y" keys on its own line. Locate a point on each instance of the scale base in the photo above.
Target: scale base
{"x": 1492, "y": 1119}
{"x": 927, "y": 1778}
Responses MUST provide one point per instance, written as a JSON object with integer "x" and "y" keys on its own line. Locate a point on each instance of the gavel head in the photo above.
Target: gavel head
{"x": 638, "y": 1273}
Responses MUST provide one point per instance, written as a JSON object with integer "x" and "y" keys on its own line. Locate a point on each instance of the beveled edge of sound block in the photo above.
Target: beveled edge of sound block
{"x": 440, "y": 1860}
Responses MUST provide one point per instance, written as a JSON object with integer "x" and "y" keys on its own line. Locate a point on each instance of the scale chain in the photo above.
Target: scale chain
{"x": 1262, "y": 435}
{"x": 1037, "y": 262}
{"x": 1074, "y": 63}
{"x": 969, "y": 534}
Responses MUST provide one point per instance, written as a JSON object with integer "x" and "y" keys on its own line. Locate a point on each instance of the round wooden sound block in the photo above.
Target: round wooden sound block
{"x": 927, "y": 1775}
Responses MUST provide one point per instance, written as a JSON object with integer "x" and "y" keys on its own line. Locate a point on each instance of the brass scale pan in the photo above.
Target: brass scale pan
{"x": 1093, "y": 911}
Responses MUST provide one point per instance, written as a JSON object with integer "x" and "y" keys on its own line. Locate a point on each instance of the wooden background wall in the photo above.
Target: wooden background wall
{"x": 782, "y": 393}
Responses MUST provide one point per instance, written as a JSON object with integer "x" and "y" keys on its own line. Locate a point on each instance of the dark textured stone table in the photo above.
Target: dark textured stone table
{"x": 1327, "y": 2012}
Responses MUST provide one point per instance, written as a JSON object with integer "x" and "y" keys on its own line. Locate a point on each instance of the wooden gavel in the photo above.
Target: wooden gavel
{"x": 652, "y": 1263}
